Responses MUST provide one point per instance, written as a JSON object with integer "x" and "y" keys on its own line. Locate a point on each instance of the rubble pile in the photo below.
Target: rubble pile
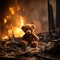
{"x": 12, "y": 49}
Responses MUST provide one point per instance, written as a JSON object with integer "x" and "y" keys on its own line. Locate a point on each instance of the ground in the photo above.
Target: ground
{"x": 13, "y": 50}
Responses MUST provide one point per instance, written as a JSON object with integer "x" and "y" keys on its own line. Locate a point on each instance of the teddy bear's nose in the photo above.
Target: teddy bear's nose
{"x": 29, "y": 31}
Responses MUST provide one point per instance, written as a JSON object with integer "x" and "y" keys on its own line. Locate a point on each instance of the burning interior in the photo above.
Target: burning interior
{"x": 13, "y": 23}
{"x": 13, "y": 19}
{"x": 17, "y": 13}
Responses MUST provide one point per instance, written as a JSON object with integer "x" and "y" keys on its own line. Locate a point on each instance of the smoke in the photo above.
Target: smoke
{"x": 33, "y": 11}
{"x": 37, "y": 10}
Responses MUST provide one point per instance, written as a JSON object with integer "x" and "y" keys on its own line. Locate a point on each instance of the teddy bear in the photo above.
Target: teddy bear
{"x": 29, "y": 38}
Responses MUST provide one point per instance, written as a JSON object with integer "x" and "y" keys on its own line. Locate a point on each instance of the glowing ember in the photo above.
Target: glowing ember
{"x": 5, "y": 37}
{"x": 5, "y": 20}
{"x": 10, "y": 31}
{"x": 7, "y": 17}
{"x": 11, "y": 9}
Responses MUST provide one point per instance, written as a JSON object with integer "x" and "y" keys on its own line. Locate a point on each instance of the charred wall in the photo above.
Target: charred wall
{"x": 58, "y": 13}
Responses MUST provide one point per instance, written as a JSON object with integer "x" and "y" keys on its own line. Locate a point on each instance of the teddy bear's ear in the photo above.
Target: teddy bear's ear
{"x": 33, "y": 26}
{"x": 22, "y": 27}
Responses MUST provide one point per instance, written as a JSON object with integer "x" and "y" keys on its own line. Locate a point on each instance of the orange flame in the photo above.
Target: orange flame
{"x": 14, "y": 29}
{"x": 5, "y": 37}
{"x": 7, "y": 17}
{"x": 10, "y": 31}
{"x": 22, "y": 22}
{"x": 5, "y": 20}
{"x": 11, "y": 9}
{"x": 18, "y": 31}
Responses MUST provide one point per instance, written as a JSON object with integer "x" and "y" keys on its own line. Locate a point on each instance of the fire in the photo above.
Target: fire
{"x": 15, "y": 27}
{"x": 21, "y": 20}
{"x": 7, "y": 17}
{"x": 18, "y": 31}
{"x": 10, "y": 31}
{"x": 5, "y": 20}
{"x": 11, "y": 9}
{"x": 22, "y": 23}
{"x": 5, "y": 37}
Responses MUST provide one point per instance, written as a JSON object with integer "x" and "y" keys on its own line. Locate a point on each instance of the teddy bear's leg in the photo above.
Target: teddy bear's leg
{"x": 34, "y": 43}
{"x": 24, "y": 43}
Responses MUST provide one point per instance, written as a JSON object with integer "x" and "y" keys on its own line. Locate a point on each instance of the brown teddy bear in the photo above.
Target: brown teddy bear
{"x": 29, "y": 38}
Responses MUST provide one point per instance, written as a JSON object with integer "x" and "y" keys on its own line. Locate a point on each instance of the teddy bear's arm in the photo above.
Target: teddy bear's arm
{"x": 35, "y": 37}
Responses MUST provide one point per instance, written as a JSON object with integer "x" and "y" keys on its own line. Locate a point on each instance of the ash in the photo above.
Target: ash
{"x": 48, "y": 49}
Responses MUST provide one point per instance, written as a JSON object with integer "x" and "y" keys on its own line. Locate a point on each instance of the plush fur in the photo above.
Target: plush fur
{"x": 29, "y": 38}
